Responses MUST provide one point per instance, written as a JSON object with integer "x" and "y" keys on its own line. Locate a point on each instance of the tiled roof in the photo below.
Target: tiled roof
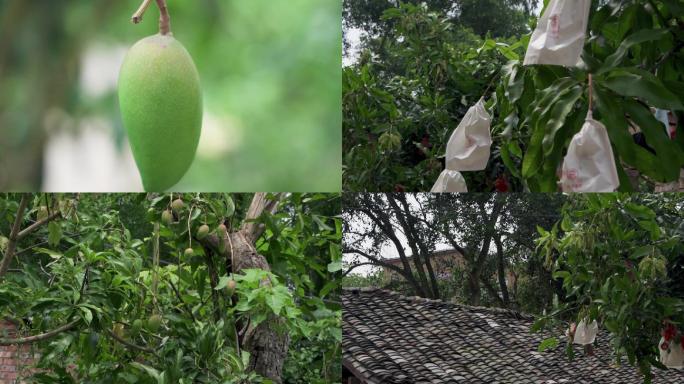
{"x": 389, "y": 338}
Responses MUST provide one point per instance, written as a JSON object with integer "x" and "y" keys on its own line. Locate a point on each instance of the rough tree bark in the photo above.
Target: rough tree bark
{"x": 268, "y": 342}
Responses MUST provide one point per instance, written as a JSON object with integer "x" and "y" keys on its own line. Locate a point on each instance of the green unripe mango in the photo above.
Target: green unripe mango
{"x": 189, "y": 252}
{"x": 202, "y": 231}
{"x": 161, "y": 108}
{"x": 167, "y": 217}
{"x": 137, "y": 326}
{"x": 153, "y": 323}
{"x": 177, "y": 205}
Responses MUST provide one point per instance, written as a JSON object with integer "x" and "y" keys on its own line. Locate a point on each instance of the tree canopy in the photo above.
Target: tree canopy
{"x": 413, "y": 83}
{"x": 185, "y": 288}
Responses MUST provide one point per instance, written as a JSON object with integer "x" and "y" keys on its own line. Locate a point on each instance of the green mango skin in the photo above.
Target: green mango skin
{"x": 161, "y": 107}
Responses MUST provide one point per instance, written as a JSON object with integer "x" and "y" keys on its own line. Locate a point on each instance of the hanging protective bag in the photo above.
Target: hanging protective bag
{"x": 560, "y": 34}
{"x": 589, "y": 165}
{"x": 450, "y": 181}
{"x": 469, "y": 145}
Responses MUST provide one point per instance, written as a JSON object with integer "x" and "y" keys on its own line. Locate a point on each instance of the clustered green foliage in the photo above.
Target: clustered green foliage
{"x": 95, "y": 265}
{"x": 620, "y": 259}
{"x": 404, "y": 96}
{"x": 634, "y": 51}
{"x": 411, "y": 86}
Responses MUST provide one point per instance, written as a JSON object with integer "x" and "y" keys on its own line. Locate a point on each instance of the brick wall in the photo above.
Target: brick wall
{"x": 14, "y": 360}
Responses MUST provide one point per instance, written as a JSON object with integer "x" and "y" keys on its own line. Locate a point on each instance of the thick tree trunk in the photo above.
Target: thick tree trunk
{"x": 474, "y": 292}
{"x": 269, "y": 341}
{"x": 501, "y": 271}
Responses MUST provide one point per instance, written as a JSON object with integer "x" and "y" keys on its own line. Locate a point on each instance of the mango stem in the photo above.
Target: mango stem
{"x": 164, "y": 18}
{"x": 138, "y": 15}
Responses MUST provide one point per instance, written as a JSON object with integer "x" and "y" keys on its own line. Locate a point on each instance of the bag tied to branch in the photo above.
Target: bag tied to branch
{"x": 469, "y": 144}
{"x": 450, "y": 181}
{"x": 560, "y": 34}
{"x": 589, "y": 165}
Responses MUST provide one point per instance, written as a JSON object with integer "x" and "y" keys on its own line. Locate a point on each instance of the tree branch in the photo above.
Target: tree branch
{"x": 138, "y": 15}
{"x": 26, "y": 231}
{"x": 14, "y": 236}
{"x": 41, "y": 337}
{"x": 260, "y": 204}
{"x": 128, "y": 343}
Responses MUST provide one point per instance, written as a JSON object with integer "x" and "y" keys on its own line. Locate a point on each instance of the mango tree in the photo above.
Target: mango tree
{"x": 163, "y": 288}
{"x": 620, "y": 259}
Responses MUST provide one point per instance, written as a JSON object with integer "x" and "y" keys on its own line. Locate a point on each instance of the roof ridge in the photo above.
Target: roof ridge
{"x": 419, "y": 299}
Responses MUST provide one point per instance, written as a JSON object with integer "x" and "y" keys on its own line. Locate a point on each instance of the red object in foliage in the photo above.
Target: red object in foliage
{"x": 501, "y": 184}
{"x": 669, "y": 332}
{"x": 426, "y": 142}
{"x": 399, "y": 188}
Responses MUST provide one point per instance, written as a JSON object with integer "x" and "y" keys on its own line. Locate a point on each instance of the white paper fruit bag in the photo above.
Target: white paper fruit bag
{"x": 469, "y": 144}
{"x": 589, "y": 165}
{"x": 560, "y": 34}
{"x": 673, "y": 356}
{"x": 585, "y": 333}
{"x": 450, "y": 181}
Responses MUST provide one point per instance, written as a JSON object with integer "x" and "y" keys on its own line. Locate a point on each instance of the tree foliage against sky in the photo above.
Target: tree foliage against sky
{"x": 494, "y": 233}
{"x": 413, "y": 83}
{"x": 132, "y": 289}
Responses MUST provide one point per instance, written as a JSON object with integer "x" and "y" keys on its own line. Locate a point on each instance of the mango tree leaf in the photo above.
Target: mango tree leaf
{"x": 635, "y": 38}
{"x": 638, "y": 83}
{"x": 54, "y": 233}
{"x": 549, "y": 343}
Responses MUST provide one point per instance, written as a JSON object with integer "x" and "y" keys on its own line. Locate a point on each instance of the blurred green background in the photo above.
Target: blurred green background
{"x": 271, "y": 79}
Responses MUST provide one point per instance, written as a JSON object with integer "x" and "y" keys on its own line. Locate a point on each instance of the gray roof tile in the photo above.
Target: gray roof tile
{"x": 389, "y": 338}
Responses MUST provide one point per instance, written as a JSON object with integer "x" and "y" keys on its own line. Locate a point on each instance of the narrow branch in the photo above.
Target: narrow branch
{"x": 128, "y": 343}
{"x": 26, "y": 231}
{"x": 138, "y": 15}
{"x": 260, "y": 204}
{"x": 42, "y": 336}
{"x": 183, "y": 303}
{"x": 14, "y": 235}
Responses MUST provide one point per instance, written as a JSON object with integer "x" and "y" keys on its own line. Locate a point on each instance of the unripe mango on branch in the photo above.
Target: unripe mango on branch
{"x": 161, "y": 107}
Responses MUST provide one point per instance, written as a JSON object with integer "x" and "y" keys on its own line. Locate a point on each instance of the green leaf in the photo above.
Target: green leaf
{"x": 276, "y": 301}
{"x": 549, "y": 343}
{"x": 557, "y": 117}
{"x": 87, "y": 315}
{"x": 532, "y": 161}
{"x": 54, "y": 233}
{"x": 49, "y": 252}
{"x": 613, "y": 117}
{"x": 657, "y": 138}
{"x": 149, "y": 370}
{"x": 230, "y": 206}
{"x": 635, "y": 38}
{"x": 335, "y": 266}
{"x": 632, "y": 82}
{"x": 640, "y": 211}
{"x": 223, "y": 282}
